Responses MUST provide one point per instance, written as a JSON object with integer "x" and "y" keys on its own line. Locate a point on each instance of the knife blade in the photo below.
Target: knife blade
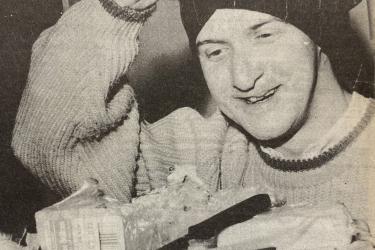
{"x": 210, "y": 227}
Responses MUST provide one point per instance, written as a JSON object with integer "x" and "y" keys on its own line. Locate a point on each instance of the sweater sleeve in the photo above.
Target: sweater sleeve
{"x": 76, "y": 120}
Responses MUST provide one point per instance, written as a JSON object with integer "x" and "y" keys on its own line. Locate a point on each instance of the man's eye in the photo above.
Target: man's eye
{"x": 214, "y": 53}
{"x": 264, "y": 35}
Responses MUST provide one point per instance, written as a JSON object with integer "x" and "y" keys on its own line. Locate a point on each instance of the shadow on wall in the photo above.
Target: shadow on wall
{"x": 162, "y": 74}
{"x": 172, "y": 85}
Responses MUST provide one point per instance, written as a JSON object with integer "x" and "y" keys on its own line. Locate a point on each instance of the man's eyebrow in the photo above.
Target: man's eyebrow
{"x": 252, "y": 28}
{"x": 258, "y": 25}
{"x": 200, "y": 43}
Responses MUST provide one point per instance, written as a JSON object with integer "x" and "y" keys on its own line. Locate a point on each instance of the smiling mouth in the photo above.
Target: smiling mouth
{"x": 261, "y": 98}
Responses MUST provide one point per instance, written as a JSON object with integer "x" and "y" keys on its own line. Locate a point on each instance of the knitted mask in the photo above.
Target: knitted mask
{"x": 326, "y": 22}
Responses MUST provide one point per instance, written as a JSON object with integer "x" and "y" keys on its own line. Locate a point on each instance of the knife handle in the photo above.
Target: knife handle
{"x": 236, "y": 214}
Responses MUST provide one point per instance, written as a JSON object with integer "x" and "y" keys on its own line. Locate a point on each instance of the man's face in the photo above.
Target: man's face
{"x": 259, "y": 70}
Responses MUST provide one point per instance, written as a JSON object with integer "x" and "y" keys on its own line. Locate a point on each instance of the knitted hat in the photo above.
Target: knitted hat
{"x": 326, "y": 22}
{"x": 310, "y": 16}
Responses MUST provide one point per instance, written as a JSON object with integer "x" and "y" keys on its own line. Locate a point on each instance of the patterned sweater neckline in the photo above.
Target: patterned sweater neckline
{"x": 347, "y": 129}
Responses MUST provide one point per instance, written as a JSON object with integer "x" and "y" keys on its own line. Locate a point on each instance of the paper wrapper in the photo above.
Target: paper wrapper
{"x": 82, "y": 228}
{"x": 88, "y": 220}
{"x": 82, "y": 221}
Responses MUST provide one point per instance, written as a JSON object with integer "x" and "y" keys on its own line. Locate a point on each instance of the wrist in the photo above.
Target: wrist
{"x": 116, "y": 10}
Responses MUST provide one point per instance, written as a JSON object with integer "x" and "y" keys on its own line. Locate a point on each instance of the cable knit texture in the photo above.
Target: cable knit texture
{"x": 68, "y": 129}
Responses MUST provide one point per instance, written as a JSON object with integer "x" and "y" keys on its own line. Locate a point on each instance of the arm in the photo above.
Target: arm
{"x": 75, "y": 119}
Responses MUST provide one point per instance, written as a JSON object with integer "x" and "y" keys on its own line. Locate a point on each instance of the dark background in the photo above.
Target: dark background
{"x": 21, "y": 22}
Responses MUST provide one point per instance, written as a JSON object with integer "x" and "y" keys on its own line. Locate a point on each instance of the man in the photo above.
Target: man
{"x": 277, "y": 85}
{"x": 284, "y": 125}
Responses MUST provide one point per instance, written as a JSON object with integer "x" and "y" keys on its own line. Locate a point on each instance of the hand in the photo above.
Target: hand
{"x": 136, "y": 4}
{"x": 303, "y": 227}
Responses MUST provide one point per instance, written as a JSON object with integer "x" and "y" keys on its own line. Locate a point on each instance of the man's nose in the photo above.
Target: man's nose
{"x": 245, "y": 72}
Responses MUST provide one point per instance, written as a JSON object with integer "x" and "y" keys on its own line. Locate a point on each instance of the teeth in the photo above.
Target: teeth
{"x": 254, "y": 99}
{"x": 271, "y": 92}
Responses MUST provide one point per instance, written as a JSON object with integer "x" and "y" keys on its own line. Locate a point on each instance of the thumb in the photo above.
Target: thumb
{"x": 100, "y": 115}
{"x": 121, "y": 104}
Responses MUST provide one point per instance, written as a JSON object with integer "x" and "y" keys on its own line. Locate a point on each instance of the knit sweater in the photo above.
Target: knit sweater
{"x": 77, "y": 121}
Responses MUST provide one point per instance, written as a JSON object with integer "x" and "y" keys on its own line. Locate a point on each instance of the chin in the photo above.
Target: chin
{"x": 273, "y": 129}
{"x": 271, "y": 135}
{"x": 267, "y": 137}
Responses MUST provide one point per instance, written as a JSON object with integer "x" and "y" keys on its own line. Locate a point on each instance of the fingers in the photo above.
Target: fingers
{"x": 143, "y": 4}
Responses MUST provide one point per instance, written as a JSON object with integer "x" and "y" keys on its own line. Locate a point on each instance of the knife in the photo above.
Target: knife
{"x": 210, "y": 227}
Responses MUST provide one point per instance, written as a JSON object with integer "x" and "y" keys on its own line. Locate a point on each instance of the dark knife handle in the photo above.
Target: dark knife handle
{"x": 236, "y": 214}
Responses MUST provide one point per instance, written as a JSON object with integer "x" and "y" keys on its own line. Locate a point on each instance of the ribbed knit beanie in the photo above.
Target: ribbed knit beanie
{"x": 326, "y": 22}
{"x": 314, "y": 17}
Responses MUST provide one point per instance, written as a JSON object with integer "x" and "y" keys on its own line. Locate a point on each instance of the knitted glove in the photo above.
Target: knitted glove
{"x": 75, "y": 120}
